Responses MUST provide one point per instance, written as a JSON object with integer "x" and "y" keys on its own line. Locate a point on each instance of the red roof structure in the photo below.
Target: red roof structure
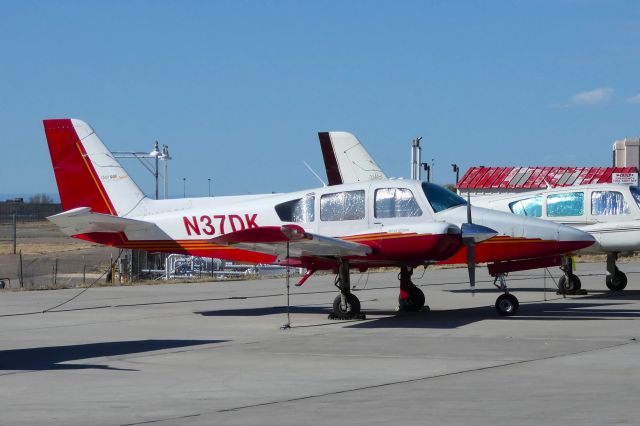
{"x": 531, "y": 178}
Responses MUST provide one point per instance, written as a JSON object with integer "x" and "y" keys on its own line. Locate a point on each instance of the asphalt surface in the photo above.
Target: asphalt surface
{"x": 213, "y": 353}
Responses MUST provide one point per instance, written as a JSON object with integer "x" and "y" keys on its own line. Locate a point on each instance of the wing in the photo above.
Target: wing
{"x": 273, "y": 240}
{"x": 82, "y": 221}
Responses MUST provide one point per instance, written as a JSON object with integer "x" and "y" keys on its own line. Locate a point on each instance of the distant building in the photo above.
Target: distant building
{"x": 626, "y": 153}
{"x": 508, "y": 180}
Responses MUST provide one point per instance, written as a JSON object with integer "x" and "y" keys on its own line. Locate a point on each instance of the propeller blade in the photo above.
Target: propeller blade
{"x": 469, "y": 208}
{"x": 471, "y": 265}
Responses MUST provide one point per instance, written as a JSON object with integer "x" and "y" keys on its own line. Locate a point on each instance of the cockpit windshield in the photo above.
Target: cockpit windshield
{"x": 441, "y": 198}
{"x": 635, "y": 191}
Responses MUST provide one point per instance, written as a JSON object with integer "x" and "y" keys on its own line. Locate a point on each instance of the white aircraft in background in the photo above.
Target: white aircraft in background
{"x": 609, "y": 212}
{"x": 397, "y": 223}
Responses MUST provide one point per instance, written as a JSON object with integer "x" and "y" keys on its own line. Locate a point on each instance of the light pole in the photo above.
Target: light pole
{"x": 184, "y": 187}
{"x": 209, "y": 179}
{"x": 456, "y": 170}
{"x": 165, "y": 157}
{"x": 156, "y": 154}
{"x": 153, "y": 168}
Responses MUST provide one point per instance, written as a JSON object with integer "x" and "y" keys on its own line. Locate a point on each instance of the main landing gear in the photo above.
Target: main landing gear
{"x": 346, "y": 305}
{"x": 411, "y": 297}
{"x": 616, "y": 280}
{"x": 569, "y": 283}
{"x": 506, "y": 304}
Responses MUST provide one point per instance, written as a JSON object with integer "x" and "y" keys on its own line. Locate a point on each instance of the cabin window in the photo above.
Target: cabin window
{"x": 565, "y": 204}
{"x": 608, "y": 203}
{"x": 441, "y": 198}
{"x": 527, "y": 207}
{"x": 300, "y": 210}
{"x": 396, "y": 202}
{"x": 635, "y": 192}
{"x": 347, "y": 205}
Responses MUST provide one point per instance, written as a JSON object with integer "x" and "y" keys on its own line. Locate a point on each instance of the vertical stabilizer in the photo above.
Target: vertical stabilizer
{"x": 86, "y": 172}
{"x": 346, "y": 160}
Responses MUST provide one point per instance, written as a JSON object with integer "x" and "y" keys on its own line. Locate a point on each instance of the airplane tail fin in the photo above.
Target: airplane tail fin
{"x": 346, "y": 160}
{"x": 86, "y": 172}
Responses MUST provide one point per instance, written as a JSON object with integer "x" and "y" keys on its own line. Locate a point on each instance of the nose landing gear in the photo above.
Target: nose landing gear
{"x": 506, "y": 304}
{"x": 569, "y": 283}
{"x": 616, "y": 280}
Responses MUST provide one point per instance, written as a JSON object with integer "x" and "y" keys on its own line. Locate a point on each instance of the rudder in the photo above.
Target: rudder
{"x": 86, "y": 172}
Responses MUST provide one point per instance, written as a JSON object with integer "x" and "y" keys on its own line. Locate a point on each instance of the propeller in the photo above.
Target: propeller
{"x": 471, "y": 235}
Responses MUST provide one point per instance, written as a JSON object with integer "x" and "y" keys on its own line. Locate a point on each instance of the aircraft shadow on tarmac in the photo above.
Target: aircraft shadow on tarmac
{"x": 542, "y": 311}
{"x": 571, "y": 309}
{"x": 53, "y": 357}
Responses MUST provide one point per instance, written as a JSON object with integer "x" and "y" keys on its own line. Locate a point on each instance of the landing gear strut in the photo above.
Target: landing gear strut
{"x": 411, "y": 297}
{"x": 616, "y": 280}
{"x": 346, "y": 305}
{"x": 506, "y": 304}
{"x": 569, "y": 283}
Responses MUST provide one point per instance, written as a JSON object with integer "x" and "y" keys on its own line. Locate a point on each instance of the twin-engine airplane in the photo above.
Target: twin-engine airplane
{"x": 609, "y": 212}
{"x": 397, "y": 223}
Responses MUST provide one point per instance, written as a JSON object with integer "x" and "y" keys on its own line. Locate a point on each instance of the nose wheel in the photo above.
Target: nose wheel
{"x": 506, "y": 304}
{"x": 616, "y": 281}
{"x": 569, "y": 284}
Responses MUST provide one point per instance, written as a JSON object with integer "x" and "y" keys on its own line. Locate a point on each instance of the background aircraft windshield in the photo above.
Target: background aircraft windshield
{"x": 441, "y": 198}
{"x": 635, "y": 191}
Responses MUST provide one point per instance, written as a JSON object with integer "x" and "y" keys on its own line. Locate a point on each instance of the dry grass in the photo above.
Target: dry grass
{"x": 45, "y": 248}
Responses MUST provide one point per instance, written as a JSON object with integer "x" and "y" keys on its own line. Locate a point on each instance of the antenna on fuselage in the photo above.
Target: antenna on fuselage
{"x": 314, "y": 173}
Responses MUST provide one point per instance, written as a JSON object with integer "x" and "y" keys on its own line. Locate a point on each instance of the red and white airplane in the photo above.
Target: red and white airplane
{"x": 402, "y": 223}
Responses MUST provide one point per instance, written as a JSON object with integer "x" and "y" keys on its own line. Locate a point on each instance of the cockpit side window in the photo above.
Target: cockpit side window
{"x": 396, "y": 202}
{"x": 441, "y": 198}
{"x": 300, "y": 210}
{"x": 527, "y": 207}
{"x": 565, "y": 204}
{"x": 608, "y": 203}
{"x": 347, "y": 205}
{"x": 635, "y": 192}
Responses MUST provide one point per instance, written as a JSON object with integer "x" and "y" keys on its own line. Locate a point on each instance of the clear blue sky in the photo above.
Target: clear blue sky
{"x": 239, "y": 89}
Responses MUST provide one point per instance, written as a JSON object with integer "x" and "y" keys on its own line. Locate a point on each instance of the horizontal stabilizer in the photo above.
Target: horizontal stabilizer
{"x": 273, "y": 240}
{"x": 82, "y": 220}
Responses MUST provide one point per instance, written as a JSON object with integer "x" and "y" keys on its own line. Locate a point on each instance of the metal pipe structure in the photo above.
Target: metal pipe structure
{"x": 416, "y": 158}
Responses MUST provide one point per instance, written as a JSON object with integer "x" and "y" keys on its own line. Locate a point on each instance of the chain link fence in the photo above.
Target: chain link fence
{"x": 56, "y": 270}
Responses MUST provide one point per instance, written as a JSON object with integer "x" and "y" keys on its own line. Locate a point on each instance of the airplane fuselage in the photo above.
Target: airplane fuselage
{"x": 397, "y": 218}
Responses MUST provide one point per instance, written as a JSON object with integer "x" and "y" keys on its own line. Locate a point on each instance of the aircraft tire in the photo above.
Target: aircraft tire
{"x": 414, "y": 302}
{"x": 352, "y": 308}
{"x": 571, "y": 286}
{"x": 507, "y": 304}
{"x": 617, "y": 281}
